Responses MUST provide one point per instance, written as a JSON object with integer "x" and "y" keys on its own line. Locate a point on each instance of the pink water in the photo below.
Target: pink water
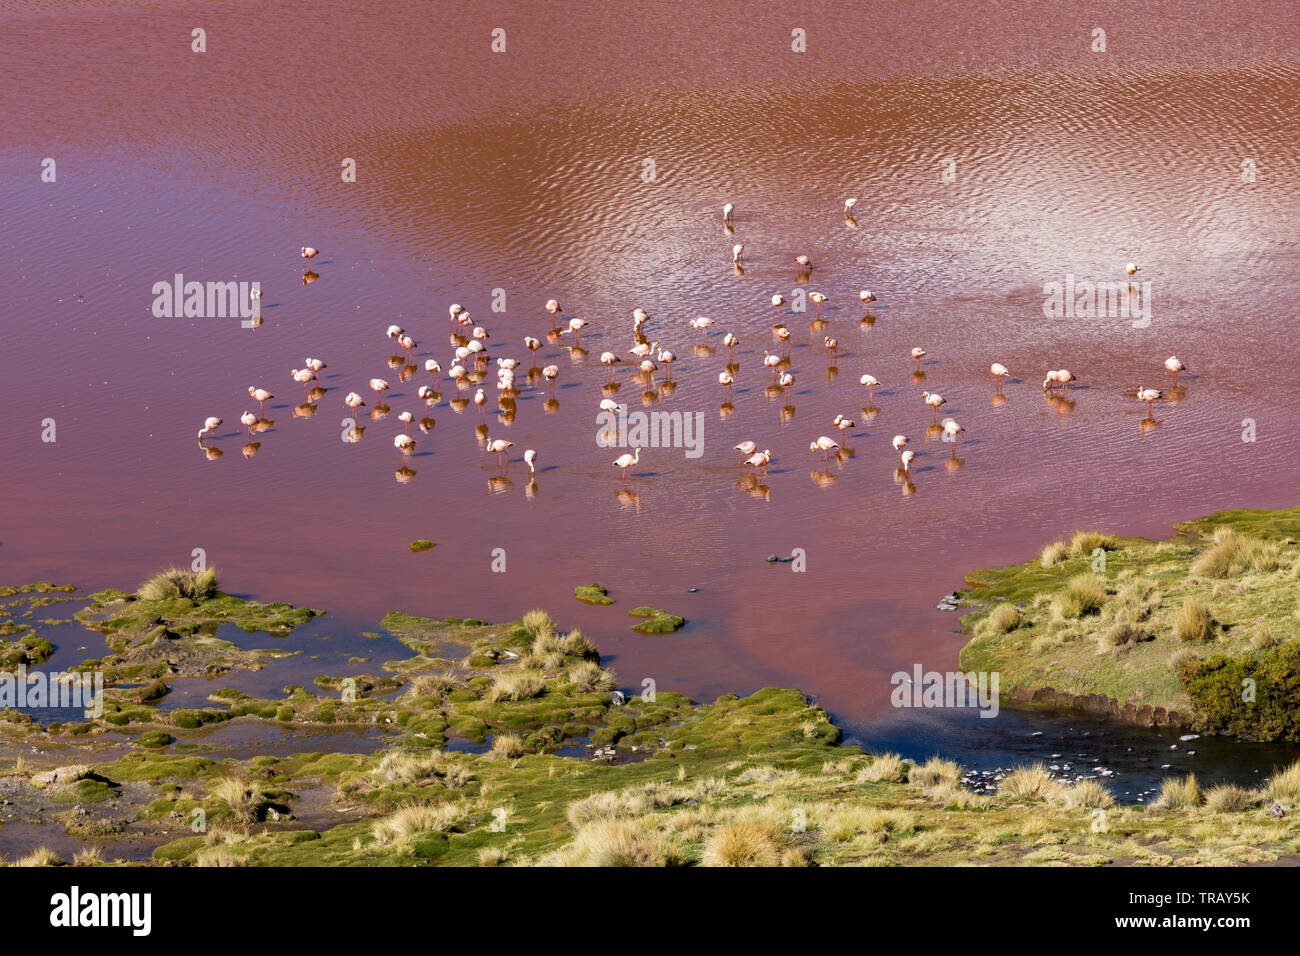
{"x": 522, "y": 171}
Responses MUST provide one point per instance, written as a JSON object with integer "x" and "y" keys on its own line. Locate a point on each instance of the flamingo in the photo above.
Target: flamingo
{"x": 610, "y": 359}
{"x": 433, "y": 368}
{"x": 786, "y": 380}
{"x": 848, "y": 207}
{"x": 843, "y": 424}
{"x": 803, "y": 262}
{"x": 395, "y": 332}
{"x": 950, "y": 432}
{"x": 261, "y": 396}
{"x": 783, "y": 335}
{"x": 872, "y": 383}
{"x": 477, "y": 349}
{"x": 379, "y": 386}
{"x": 778, "y": 300}
{"x": 866, "y": 296}
{"x": 832, "y": 344}
{"x": 730, "y": 341}
{"x": 249, "y": 421}
{"x": 209, "y": 425}
{"x": 553, "y": 307}
{"x": 530, "y": 457}
{"x": 551, "y": 373}
{"x": 667, "y": 358}
{"x": 626, "y": 461}
{"x": 746, "y": 447}
{"x": 608, "y": 405}
{"x": 771, "y": 361}
{"x": 316, "y": 366}
{"x": 1175, "y": 366}
{"x": 303, "y": 376}
{"x": 726, "y": 379}
{"x": 456, "y": 309}
{"x": 934, "y": 400}
{"x": 818, "y": 299}
{"x": 508, "y": 363}
{"x": 641, "y": 350}
{"x": 639, "y": 318}
{"x": 999, "y": 372}
{"x": 575, "y": 327}
{"x": 899, "y": 442}
{"x": 480, "y": 399}
{"x": 737, "y": 253}
{"x": 353, "y": 401}
{"x": 759, "y": 459}
{"x": 1062, "y": 377}
{"x": 309, "y": 252}
{"x": 406, "y": 418}
{"x": 918, "y": 354}
{"x": 425, "y": 392}
{"x": 648, "y": 367}
{"x": 405, "y": 444}
{"x": 727, "y": 210}
{"x": 498, "y": 447}
{"x": 457, "y": 373}
{"x": 905, "y": 459}
{"x": 532, "y": 345}
{"x": 702, "y": 324}
{"x": 1149, "y": 395}
{"x": 824, "y": 445}
{"x": 1132, "y": 269}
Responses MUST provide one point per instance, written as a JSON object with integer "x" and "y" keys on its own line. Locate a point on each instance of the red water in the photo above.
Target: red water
{"x": 522, "y": 171}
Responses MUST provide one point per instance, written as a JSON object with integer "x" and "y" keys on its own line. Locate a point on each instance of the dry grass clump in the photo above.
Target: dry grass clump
{"x": 1229, "y": 799}
{"x": 1121, "y": 633}
{"x": 1284, "y": 786}
{"x": 516, "y": 685}
{"x": 1034, "y": 782}
{"x": 1082, "y": 595}
{"x": 741, "y": 844}
{"x": 1262, "y": 640}
{"x": 218, "y": 856}
{"x": 632, "y": 802}
{"x": 433, "y": 685}
{"x": 1090, "y": 794}
{"x": 1233, "y": 553}
{"x": 402, "y": 826}
{"x": 88, "y": 856}
{"x": 173, "y": 583}
{"x": 408, "y": 767}
{"x": 592, "y": 678}
{"x": 1054, "y": 553}
{"x": 538, "y": 622}
{"x": 577, "y": 644}
{"x": 41, "y": 856}
{"x": 1194, "y": 623}
{"x": 1182, "y": 656}
{"x": 1003, "y": 618}
{"x": 507, "y": 747}
{"x": 246, "y": 798}
{"x": 935, "y": 772}
{"x": 493, "y": 856}
{"x": 1179, "y": 793}
{"x": 846, "y": 822}
{"x": 1084, "y": 543}
{"x": 885, "y": 768}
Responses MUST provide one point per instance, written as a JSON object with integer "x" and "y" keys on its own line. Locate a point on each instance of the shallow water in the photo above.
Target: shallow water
{"x": 522, "y": 171}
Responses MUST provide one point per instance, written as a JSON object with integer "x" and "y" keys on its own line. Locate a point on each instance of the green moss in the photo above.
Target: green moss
{"x": 422, "y": 544}
{"x": 656, "y": 621}
{"x": 154, "y": 739}
{"x": 592, "y": 594}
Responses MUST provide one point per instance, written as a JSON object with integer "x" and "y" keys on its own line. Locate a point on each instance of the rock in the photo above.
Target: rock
{"x": 1276, "y": 810}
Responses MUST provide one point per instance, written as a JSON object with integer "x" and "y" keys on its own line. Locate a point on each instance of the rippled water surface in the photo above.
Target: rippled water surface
{"x": 522, "y": 172}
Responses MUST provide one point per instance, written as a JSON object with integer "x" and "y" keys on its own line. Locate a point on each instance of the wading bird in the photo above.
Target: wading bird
{"x": 934, "y": 400}
{"x": 999, "y": 372}
{"x": 261, "y": 396}
{"x": 627, "y": 461}
{"x": 1149, "y": 395}
{"x": 209, "y": 425}
{"x": 824, "y": 445}
{"x": 1175, "y": 367}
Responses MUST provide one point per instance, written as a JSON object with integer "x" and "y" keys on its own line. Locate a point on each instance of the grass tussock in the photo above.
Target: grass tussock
{"x": 1194, "y": 622}
{"x": 538, "y": 622}
{"x": 218, "y": 856}
{"x": 1003, "y": 619}
{"x": 1088, "y": 794}
{"x": 741, "y": 844}
{"x": 632, "y": 802}
{"x": 173, "y": 583}
{"x": 246, "y": 799}
{"x": 1085, "y": 543}
{"x": 516, "y": 685}
{"x": 1054, "y": 553}
{"x": 400, "y": 828}
{"x": 1083, "y": 594}
{"x": 935, "y": 772}
{"x": 1034, "y": 782}
{"x": 590, "y": 677}
{"x": 577, "y": 644}
{"x": 885, "y": 768}
{"x": 1229, "y": 799}
{"x": 508, "y": 747}
{"x": 1284, "y": 786}
{"x": 41, "y": 856}
{"x": 1179, "y": 793}
{"x": 1234, "y": 553}
{"x": 403, "y": 767}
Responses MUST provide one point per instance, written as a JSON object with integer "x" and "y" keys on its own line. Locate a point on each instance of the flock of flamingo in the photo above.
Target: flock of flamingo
{"x": 469, "y": 363}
